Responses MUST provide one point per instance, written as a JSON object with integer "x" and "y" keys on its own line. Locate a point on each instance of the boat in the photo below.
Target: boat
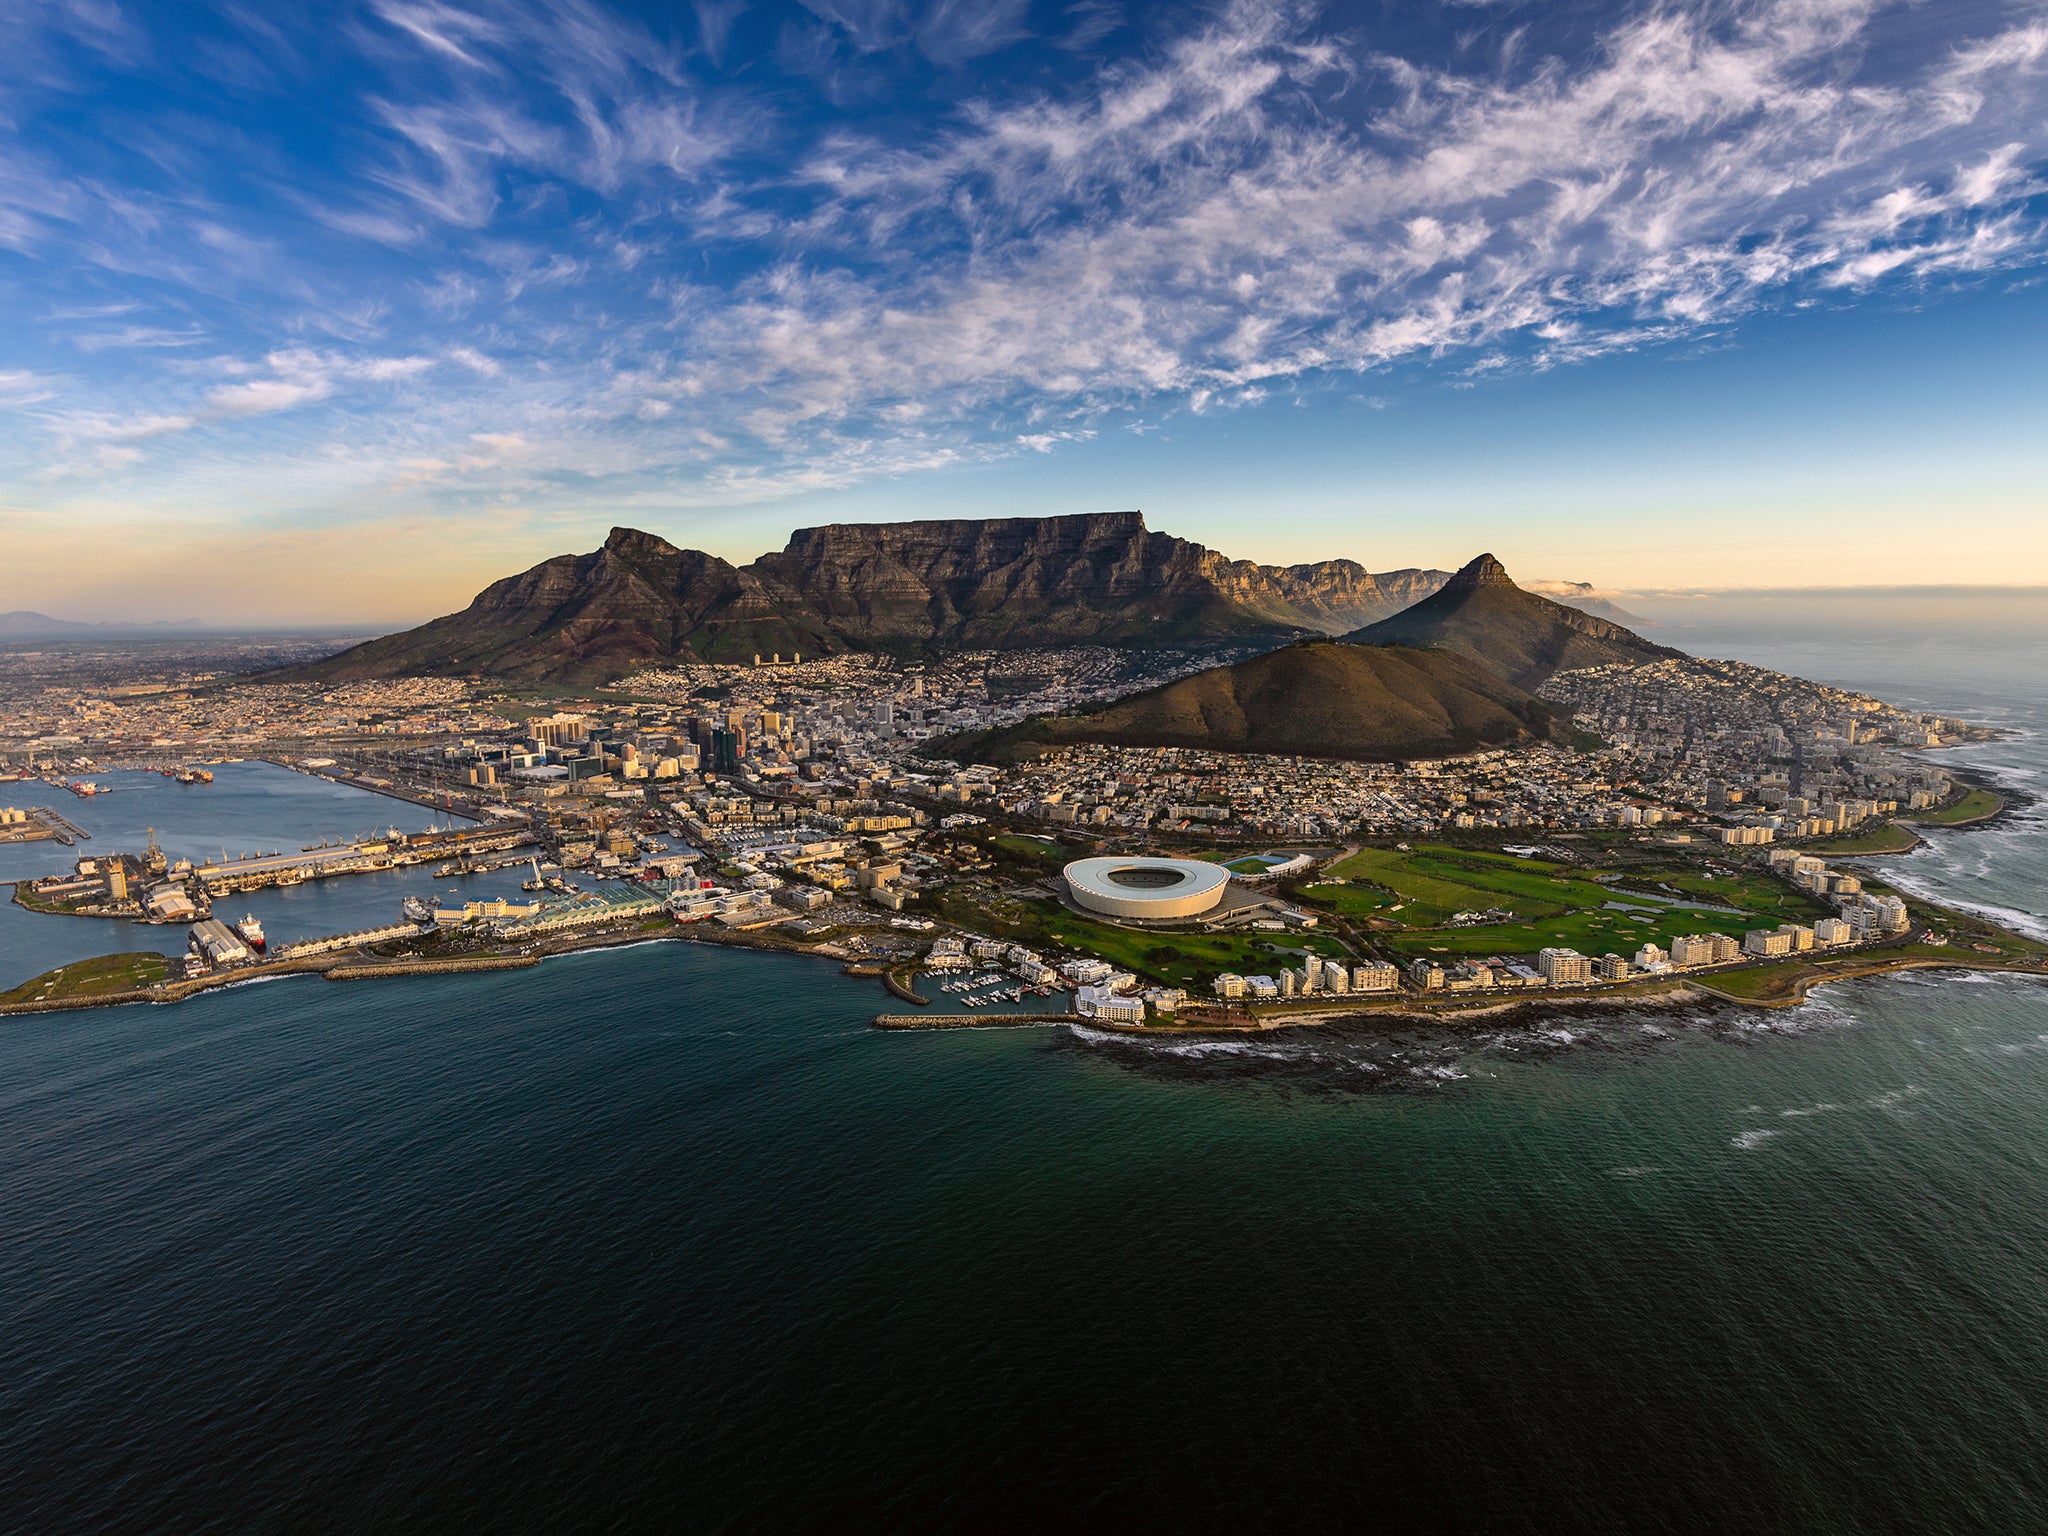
{"x": 251, "y": 931}
{"x": 418, "y": 910}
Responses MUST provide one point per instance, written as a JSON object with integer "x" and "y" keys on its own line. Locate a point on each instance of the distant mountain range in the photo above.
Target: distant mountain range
{"x": 22, "y": 624}
{"x": 1451, "y": 673}
{"x": 905, "y": 588}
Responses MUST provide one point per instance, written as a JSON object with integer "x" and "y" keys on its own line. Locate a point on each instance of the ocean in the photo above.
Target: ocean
{"x": 668, "y": 1238}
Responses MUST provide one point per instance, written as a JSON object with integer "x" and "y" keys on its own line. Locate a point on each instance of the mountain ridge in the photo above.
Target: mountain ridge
{"x": 910, "y": 587}
{"x": 1525, "y": 638}
{"x": 1315, "y": 698}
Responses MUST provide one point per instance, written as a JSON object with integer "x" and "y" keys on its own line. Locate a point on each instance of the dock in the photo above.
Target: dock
{"x": 64, "y": 831}
{"x": 467, "y": 806}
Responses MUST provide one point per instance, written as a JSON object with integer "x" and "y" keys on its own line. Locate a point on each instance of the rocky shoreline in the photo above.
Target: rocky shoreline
{"x": 1673, "y": 993}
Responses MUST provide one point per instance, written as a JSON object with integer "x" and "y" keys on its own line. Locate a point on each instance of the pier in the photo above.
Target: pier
{"x": 974, "y": 1020}
{"x": 361, "y": 856}
{"x": 64, "y": 831}
{"x": 455, "y": 805}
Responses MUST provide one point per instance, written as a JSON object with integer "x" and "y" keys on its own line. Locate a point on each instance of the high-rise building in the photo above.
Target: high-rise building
{"x": 1563, "y": 966}
{"x": 558, "y": 730}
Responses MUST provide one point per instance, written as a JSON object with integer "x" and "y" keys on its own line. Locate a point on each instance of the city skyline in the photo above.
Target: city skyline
{"x": 340, "y": 323}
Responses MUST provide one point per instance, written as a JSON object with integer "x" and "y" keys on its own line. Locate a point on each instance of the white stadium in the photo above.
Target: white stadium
{"x": 1147, "y": 889}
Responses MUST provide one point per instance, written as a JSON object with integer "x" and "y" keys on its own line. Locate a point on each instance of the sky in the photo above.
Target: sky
{"x": 336, "y": 313}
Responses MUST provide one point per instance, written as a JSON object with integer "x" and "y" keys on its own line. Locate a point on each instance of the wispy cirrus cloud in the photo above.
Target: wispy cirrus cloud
{"x": 1184, "y": 231}
{"x": 664, "y": 270}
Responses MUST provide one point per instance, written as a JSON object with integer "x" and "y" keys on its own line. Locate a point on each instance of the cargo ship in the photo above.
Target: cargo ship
{"x": 251, "y": 931}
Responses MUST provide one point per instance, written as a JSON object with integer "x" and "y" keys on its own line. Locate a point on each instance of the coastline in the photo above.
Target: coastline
{"x": 357, "y": 965}
{"x": 1800, "y": 978}
{"x": 1671, "y": 993}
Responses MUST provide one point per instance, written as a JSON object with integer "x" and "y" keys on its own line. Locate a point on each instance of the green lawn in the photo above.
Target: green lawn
{"x": 92, "y": 978}
{"x": 1433, "y": 881}
{"x": 1885, "y": 837}
{"x": 1554, "y": 904}
{"x": 1752, "y": 890}
{"x": 1975, "y": 806}
{"x": 1589, "y": 932}
{"x": 1760, "y": 981}
{"x": 1349, "y": 900}
{"x": 23, "y": 896}
{"x": 1030, "y": 847}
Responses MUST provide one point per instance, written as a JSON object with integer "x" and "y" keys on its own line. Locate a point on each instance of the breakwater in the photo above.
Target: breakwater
{"x": 453, "y": 965}
{"x": 969, "y": 1020}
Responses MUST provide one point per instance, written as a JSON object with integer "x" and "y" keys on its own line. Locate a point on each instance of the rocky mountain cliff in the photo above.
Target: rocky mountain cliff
{"x": 907, "y": 587}
{"x": 1481, "y": 614}
{"x": 1054, "y": 580}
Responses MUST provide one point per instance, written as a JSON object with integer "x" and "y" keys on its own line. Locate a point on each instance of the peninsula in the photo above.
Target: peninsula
{"x": 1484, "y": 798}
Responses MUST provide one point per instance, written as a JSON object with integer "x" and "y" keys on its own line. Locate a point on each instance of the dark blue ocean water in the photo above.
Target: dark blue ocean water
{"x": 667, "y": 1238}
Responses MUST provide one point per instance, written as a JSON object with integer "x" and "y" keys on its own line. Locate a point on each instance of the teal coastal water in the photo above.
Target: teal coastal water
{"x": 667, "y": 1238}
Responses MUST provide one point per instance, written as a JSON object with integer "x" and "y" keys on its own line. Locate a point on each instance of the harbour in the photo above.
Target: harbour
{"x": 251, "y": 805}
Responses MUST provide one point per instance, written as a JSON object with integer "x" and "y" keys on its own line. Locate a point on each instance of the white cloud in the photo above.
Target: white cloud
{"x": 261, "y": 396}
{"x": 132, "y": 430}
{"x": 301, "y": 376}
{"x": 23, "y": 386}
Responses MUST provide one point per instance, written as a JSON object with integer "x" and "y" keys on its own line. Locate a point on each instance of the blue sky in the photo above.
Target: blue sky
{"x": 338, "y": 312}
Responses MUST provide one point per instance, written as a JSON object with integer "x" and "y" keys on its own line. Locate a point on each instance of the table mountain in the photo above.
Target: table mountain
{"x": 1587, "y": 598}
{"x": 1480, "y": 613}
{"x": 904, "y": 587}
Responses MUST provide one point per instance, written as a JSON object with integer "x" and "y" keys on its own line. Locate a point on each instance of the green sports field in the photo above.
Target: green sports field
{"x": 1552, "y": 904}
